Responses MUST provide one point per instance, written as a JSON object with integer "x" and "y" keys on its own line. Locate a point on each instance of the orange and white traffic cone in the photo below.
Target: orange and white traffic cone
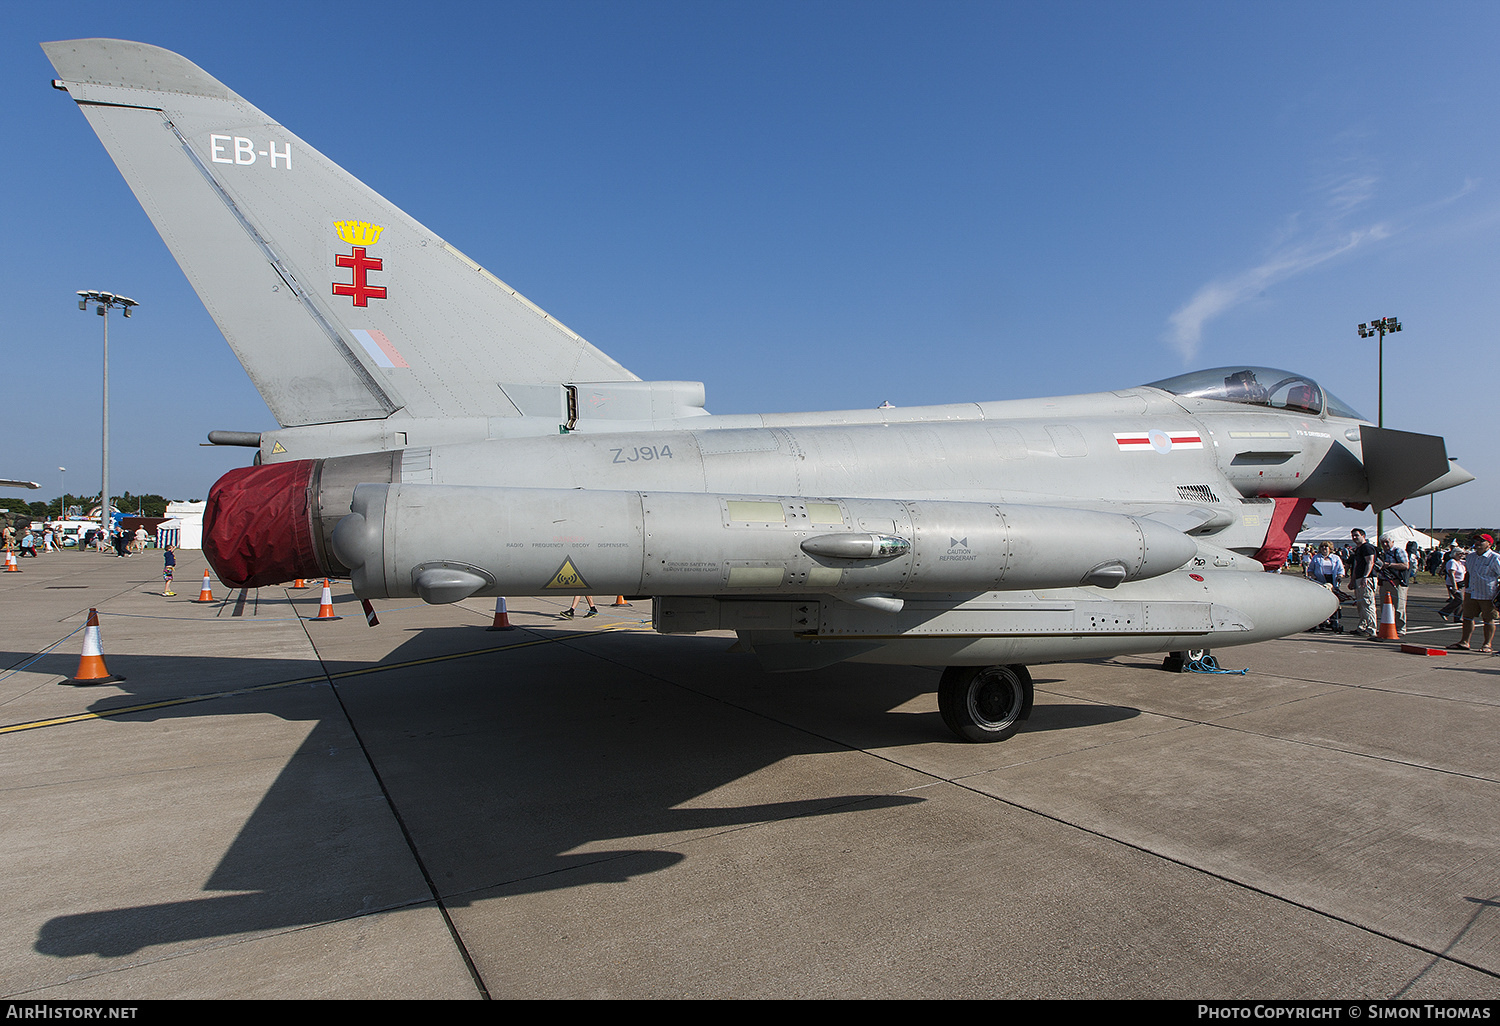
{"x": 91, "y": 668}
{"x": 325, "y": 604}
{"x": 10, "y": 563}
{"x": 502, "y": 618}
{"x": 619, "y": 601}
{"x": 1388, "y": 622}
{"x": 207, "y": 594}
{"x": 299, "y": 585}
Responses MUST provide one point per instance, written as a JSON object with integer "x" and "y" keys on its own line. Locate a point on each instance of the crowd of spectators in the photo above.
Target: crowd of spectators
{"x": 1377, "y": 574}
{"x": 26, "y": 540}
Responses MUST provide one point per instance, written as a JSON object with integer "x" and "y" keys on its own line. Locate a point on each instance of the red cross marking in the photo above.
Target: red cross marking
{"x": 361, "y": 291}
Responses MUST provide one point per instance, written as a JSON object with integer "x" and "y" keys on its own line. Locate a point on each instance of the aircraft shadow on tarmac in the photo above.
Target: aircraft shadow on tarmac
{"x": 511, "y": 772}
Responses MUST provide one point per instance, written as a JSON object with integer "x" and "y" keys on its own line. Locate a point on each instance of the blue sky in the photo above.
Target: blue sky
{"x": 818, "y": 205}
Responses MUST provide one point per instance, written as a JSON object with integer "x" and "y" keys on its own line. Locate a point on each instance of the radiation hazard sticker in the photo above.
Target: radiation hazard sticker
{"x": 567, "y": 576}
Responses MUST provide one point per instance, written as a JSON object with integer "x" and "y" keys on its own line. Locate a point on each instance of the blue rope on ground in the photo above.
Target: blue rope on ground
{"x": 1208, "y": 664}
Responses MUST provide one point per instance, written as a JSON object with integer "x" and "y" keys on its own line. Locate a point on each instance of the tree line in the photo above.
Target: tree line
{"x": 131, "y": 505}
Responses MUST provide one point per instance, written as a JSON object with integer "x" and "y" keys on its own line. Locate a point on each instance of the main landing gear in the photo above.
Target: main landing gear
{"x": 985, "y": 703}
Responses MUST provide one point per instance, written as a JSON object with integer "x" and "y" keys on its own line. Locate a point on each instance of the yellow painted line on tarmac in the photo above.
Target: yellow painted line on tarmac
{"x": 183, "y": 700}
{"x": 315, "y": 679}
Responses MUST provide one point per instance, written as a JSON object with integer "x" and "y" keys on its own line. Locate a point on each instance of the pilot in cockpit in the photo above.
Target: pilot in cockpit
{"x": 1241, "y": 387}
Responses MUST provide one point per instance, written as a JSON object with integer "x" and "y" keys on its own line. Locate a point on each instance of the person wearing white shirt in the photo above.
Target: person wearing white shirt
{"x": 1482, "y": 578}
{"x": 1453, "y": 577}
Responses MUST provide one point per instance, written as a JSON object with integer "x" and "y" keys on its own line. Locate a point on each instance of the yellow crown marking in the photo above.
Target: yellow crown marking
{"x": 358, "y": 233}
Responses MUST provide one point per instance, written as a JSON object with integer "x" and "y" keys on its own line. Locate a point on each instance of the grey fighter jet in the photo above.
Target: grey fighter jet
{"x": 443, "y": 437}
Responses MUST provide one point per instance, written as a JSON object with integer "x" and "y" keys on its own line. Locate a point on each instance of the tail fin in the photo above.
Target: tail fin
{"x": 338, "y": 304}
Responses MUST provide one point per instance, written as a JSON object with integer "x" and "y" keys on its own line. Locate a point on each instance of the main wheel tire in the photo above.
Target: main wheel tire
{"x": 985, "y": 703}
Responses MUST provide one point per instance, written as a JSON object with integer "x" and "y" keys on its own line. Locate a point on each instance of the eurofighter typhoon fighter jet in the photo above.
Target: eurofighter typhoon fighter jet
{"x": 443, "y": 437}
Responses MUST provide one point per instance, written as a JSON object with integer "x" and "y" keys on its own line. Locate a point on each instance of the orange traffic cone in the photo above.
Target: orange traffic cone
{"x": 325, "y": 605}
{"x": 207, "y": 594}
{"x": 1388, "y": 622}
{"x": 91, "y": 663}
{"x": 502, "y": 618}
{"x": 10, "y": 563}
{"x": 619, "y": 601}
{"x": 299, "y": 585}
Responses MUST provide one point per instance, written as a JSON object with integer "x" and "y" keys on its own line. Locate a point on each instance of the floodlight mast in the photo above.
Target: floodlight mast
{"x": 105, "y": 301}
{"x": 1379, "y": 326}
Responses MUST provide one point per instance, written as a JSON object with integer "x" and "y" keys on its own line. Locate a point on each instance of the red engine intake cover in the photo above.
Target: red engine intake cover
{"x": 257, "y": 527}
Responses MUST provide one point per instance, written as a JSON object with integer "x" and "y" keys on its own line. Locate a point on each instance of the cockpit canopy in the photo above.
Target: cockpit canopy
{"x": 1258, "y": 386}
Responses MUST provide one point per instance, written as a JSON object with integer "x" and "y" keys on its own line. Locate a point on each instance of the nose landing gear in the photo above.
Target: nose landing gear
{"x": 1182, "y": 662}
